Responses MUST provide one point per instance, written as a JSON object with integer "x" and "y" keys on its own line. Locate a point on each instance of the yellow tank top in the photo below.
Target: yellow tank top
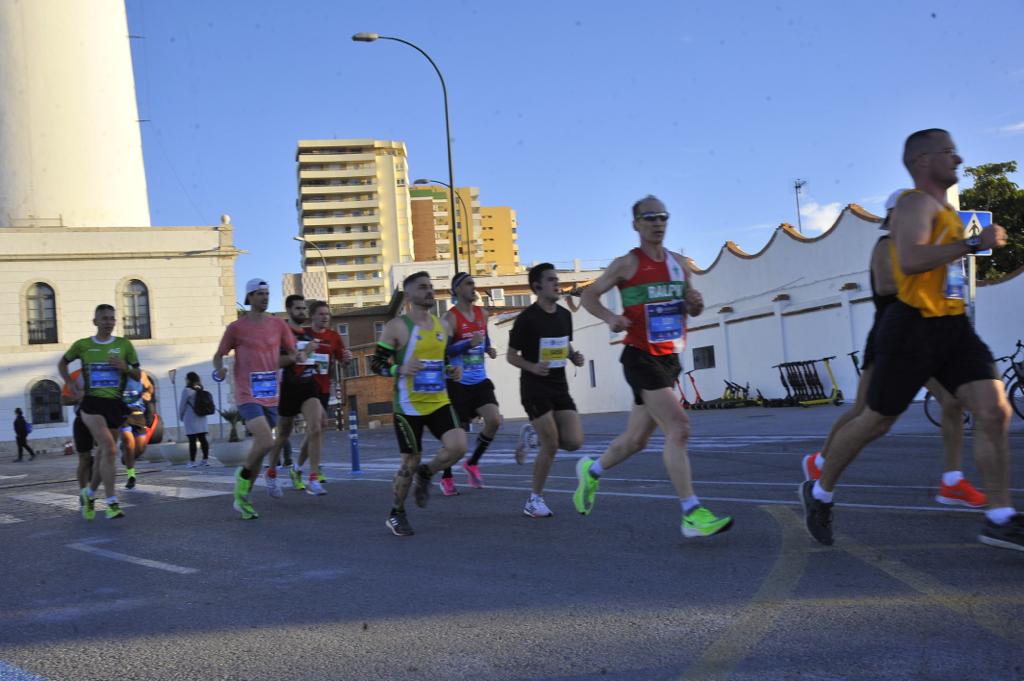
{"x": 939, "y": 292}
{"x": 425, "y": 392}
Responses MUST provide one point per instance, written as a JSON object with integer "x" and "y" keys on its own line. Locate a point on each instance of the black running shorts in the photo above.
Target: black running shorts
{"x": 648, "y": 372}
{"x": 538, "y": 397}
{"x": 466, "y": 399}
{"x": 114, "y": 412}
{"x": 294, "y": 395}
{"x": 409, "y": 429}
{"x": 83, "y": 438}
{"x": 910, "y": 349}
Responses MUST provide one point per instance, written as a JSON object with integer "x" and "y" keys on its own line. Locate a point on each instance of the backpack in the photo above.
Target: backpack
{"x": 204, "y": 405}
{"x": 28, "y": 427}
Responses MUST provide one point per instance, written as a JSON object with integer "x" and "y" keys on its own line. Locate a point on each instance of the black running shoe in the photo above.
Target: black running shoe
{"x": 817, "y": 514}
{"x": 131, "y": 483}
{"x": 1008, "y": 536}
{"x": 399, "y": 524}
{"x": 421, "y": 485}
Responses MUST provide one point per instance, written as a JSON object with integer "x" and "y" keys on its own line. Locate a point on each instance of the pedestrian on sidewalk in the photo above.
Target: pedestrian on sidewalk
{"x": 195, "y": 424}
{"x": 21, "y": 431}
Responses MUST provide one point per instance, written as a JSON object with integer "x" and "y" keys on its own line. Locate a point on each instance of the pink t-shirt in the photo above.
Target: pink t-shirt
{"x": 257, "y": 346}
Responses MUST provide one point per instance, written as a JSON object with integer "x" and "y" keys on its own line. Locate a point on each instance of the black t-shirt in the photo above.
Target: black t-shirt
{"x": 299, "y": 374}
{"x": 533, "y": 329}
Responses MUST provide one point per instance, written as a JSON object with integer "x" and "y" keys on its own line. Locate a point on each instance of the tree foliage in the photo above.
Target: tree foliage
{"x": 994, "y": 191}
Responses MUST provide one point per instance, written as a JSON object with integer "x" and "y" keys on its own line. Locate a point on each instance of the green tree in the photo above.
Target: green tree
{"x": 994, "y": 191}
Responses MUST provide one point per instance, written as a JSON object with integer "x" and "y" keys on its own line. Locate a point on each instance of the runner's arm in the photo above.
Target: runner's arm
{"x": 912, "y": 226}
{"x": 591, "y": 296}
{"x": 693, "y": 298}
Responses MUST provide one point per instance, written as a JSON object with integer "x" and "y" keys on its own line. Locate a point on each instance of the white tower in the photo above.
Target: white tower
{"x": 70, "y": 147}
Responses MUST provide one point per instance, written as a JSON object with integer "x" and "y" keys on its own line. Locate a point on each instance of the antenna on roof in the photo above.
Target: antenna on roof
{"x": 798, "y": 184}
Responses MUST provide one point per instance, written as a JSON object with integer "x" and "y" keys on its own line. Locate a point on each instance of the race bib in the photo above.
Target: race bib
{"x": 554, "y": 351}
{"x": 473, "y": 366}
{"x": 263, "y": 383}
{"x": 300, "y": 346}
{"x": 322, "y": 362}
{"x": 103, "y": 375}
{"x": 664, "y": 321}
{"x": 429, "y": 379}
{"x": 956, "y": 281}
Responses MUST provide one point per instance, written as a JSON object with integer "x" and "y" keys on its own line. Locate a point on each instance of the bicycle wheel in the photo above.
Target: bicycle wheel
{"x": 1016, "y": 395}
{"x": 932, "y": 409}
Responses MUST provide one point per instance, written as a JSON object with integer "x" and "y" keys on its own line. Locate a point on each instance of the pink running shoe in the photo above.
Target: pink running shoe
{"x": 473, "y": 473}
{"x": 448, "y": 487}
{"x": 811, "y": 470}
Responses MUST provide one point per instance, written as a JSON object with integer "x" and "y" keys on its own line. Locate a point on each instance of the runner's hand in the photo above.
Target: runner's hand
{"x": 346, "y": 355}
{"x": 222, "y": 373}
{"x": 454, "y": 372}
{"x": 540, "y": 369}
{"x": 993, "y": 236}
{"x": 477, "y": 340}
{"x": 74, "y": 392}
{"x": 694, "y": 302}
{"x": 577, "y": 358}
{"x": 117, "y": 363}
{"x": 410, "y": 368}
{"x": 619, "y": 323}
{"x": 492, "y": 353}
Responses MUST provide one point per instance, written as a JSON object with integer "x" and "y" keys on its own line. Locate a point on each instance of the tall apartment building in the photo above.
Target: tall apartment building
{"x": 500, "y": 234}
{"x": 355, "y": 215}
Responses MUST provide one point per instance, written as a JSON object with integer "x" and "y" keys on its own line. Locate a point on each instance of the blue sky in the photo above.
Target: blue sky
{"x": 569, "y": 111}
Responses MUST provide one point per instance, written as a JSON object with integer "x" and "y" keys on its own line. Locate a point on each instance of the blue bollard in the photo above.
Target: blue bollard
{"x": 353, "y": 438}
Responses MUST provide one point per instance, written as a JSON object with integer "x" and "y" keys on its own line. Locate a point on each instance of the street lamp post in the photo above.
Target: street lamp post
{"x": 323, "y": 261}
{"x": 371, "y": 37}
{"x": 465, "y": 212}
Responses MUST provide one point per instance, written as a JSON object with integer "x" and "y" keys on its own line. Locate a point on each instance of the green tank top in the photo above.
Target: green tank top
{"x": 424, "y": 392}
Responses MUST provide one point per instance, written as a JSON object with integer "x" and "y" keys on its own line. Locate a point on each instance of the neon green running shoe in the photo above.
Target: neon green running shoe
{"x": 321, "y": 477}
{"x": 241, "y": 496}
{"x": 700, "y": 522}
{"x": 114, "y": 511}
{"x": 296, "y": 477}
{"x": 88, "y": 505}
{"x": 586, "y": 490}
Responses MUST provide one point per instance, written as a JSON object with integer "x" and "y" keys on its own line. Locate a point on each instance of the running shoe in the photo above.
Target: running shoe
{"x": 114, "y": 511}
{"x": 296, "y": 477}
{"x": 962, "y": 493}
{"x": 527, "y": 441}
{"x": 241, "y": 496}
{"x": 191, "y": 464}
{"x": 1008, "y": 536}
{"x": 817, "y": 514}
{"x": 700, "y": 522}
{"x": 130, "y": 484}
{"x": 399, "y": 524}
{"x": 586, "y": 490}
{"x": 205, "y": 463}
{"x": 314, "y": 488}
{"x": 473, "y": 474}
{"x": 273, "y": 486}
{"x": 421, "y": 485}
{"x": 322, "y": 478}
{"x": 448, "y": 487}
{"x": 810, "y": 465}
{"x": 88, "y": 505}
{"x": 536, "y": 508}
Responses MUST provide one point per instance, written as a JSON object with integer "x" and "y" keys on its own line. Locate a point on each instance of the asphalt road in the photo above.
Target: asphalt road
{"x": 318, "y": 588}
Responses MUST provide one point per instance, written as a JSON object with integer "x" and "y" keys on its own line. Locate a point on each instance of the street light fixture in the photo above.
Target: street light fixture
{"x": 372, "y": 37}
{"x": 323, "y": 261}
{"x": 465, "y": 211}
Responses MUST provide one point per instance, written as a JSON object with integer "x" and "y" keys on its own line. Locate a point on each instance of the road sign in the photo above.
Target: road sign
{"x": 975, "y": 221}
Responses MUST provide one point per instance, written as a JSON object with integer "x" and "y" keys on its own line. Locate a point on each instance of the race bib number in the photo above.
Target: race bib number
{"x": 103, "y": 375}
{"x": 429, "y": 379}
{"x": 473, "y": 366}
{"x": 554, "y": 351}
{"x": 956, "y": 280}
{"x": 664, "y": 321}
{"x": 300, "y": 346}
{"x": 263, "y": 383}
{"x": 322, "y": 362}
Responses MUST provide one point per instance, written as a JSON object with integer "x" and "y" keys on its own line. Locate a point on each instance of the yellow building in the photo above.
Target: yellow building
{"x": 500, "y": 233}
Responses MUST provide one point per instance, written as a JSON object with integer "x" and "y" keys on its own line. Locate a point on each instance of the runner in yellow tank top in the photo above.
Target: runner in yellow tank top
{"x": 412, "y": 349}
{"x": 926, "y": 334}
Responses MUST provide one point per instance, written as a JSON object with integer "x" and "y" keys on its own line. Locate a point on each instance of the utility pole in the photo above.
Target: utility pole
{"x": 797, "y": 186}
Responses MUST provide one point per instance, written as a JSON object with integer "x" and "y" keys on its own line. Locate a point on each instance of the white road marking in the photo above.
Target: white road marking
{"x": 88, "y": 547}
{"x": 13, "y": 477}
{"x": 7, "y": 519}
{"x": 66, "y": 501}
{"x": 177, "y": 492}
{"x": 9, "y": 672}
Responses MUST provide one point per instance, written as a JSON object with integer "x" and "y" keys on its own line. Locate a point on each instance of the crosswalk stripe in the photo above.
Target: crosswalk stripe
{"x": 8, "y": 519}
{"x": 66, "y": 501}
{"x": 177, "y": 492}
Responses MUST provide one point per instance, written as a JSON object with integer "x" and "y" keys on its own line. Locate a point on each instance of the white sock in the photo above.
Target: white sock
{"x": 111, "y": 500}
{"x": 1000, "y": 516}
{"x": 951, "y": 478}
{"x": 689, "y": 503}
{"x": 596, "y": 470}
{"x": 820, "y": 494}
{"x": 819, "y": 461}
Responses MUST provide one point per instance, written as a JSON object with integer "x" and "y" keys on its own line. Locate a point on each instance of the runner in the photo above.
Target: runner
{"x": 540, "y": 345}
{"x": 133, "y": 431}
{"x": 412, "y": 349}
{"x": 257, "y": 339}
{"x": 657, "y": 298}
{"x": 473, "y": 395}
{"x": 83, "y": 441}
{"x": 954, "y": 489}
{"x": 107, "y": 361}
{"x": 299, "y": 395}
{"x": 926, "y": 333}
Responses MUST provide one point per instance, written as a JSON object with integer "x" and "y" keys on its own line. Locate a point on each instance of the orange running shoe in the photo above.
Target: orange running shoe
{"x": 962, "y": 493}
{"x": 811, "y": 470}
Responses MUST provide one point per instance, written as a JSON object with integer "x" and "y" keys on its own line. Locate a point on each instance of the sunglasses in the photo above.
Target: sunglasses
{"x": 652, "y": 217}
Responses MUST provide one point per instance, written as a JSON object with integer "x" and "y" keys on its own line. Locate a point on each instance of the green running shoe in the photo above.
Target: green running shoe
{"x": 241, "y": 496}
{"x": 296, "y": 477}
{"x": 586, "y": 490}
{"x": 114, "y": 511}
{"x": 88, "y": 505}
{"x": 321, "y": 477}
{"x": 700, "y": 522}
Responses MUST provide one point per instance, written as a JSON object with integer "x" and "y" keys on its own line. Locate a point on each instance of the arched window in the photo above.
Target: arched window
{"x": 41, "y": 314}
{"x": 45, "y": 399}
{"x": 136, "y": 310}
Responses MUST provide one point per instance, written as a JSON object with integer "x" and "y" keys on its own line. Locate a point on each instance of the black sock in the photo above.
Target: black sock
{"x": 447, "y": 473}
{"x": 397, "y": 511}
{"x": 246, "y": 473}
{"x": 482, "y": 443}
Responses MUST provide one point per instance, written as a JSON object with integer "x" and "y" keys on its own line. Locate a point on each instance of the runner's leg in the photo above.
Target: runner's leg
{"x": 547, "y": 445}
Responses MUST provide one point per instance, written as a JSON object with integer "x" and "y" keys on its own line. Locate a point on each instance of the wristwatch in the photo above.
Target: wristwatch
{"x": 973, "y": 243}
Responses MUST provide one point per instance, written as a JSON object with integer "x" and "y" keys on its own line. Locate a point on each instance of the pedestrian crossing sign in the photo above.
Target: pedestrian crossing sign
{"x": 975, "y": 221}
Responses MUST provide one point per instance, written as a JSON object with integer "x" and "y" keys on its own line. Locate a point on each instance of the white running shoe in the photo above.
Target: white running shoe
{"x": 527, "y": 441}
{"x": 205, "y": 463}
{"x": 536, "y": 508}
{"x": 273, "y": 487}
{"x": 315, "y": 488}
{"x": 192, "y": 464}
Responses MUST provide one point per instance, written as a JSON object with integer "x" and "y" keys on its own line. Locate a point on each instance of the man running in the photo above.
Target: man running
{"x": 299, "y": 395}
{"x": 133, "y": 431}
{"x": 657, "y": 297}
{"x": 473, "y": 394}
{"x": 540, "y": 345}
{"x": 954, "y": 489}
{"x": 83, "y": 441}
{"x": 412, "y": 349}
{"x": 107, "y": 362}
{"x": 257, "y": 339}
{"x": 926, "y": 333}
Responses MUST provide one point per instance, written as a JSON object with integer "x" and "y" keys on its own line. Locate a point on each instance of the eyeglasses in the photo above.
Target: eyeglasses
{"x": 652, "y": 217}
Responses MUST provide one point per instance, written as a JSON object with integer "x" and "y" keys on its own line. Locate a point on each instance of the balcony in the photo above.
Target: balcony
{"x": 328, "y": 174}
{"x": 42, "y": 332}
{"x": 332, "y": 221}
{"x": 355, "y": 267}
{"x": 317, "y": 189}
{"x": 342, "y": 204}
{"x": 335, "y": 157}
{"x": 324, "y": 240}
{"x": 365, "y": 299}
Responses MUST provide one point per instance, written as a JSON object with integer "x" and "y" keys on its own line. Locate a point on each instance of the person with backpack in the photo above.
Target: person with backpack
{"x": 21, "y": 430}
{"x": 196, "y": 404}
